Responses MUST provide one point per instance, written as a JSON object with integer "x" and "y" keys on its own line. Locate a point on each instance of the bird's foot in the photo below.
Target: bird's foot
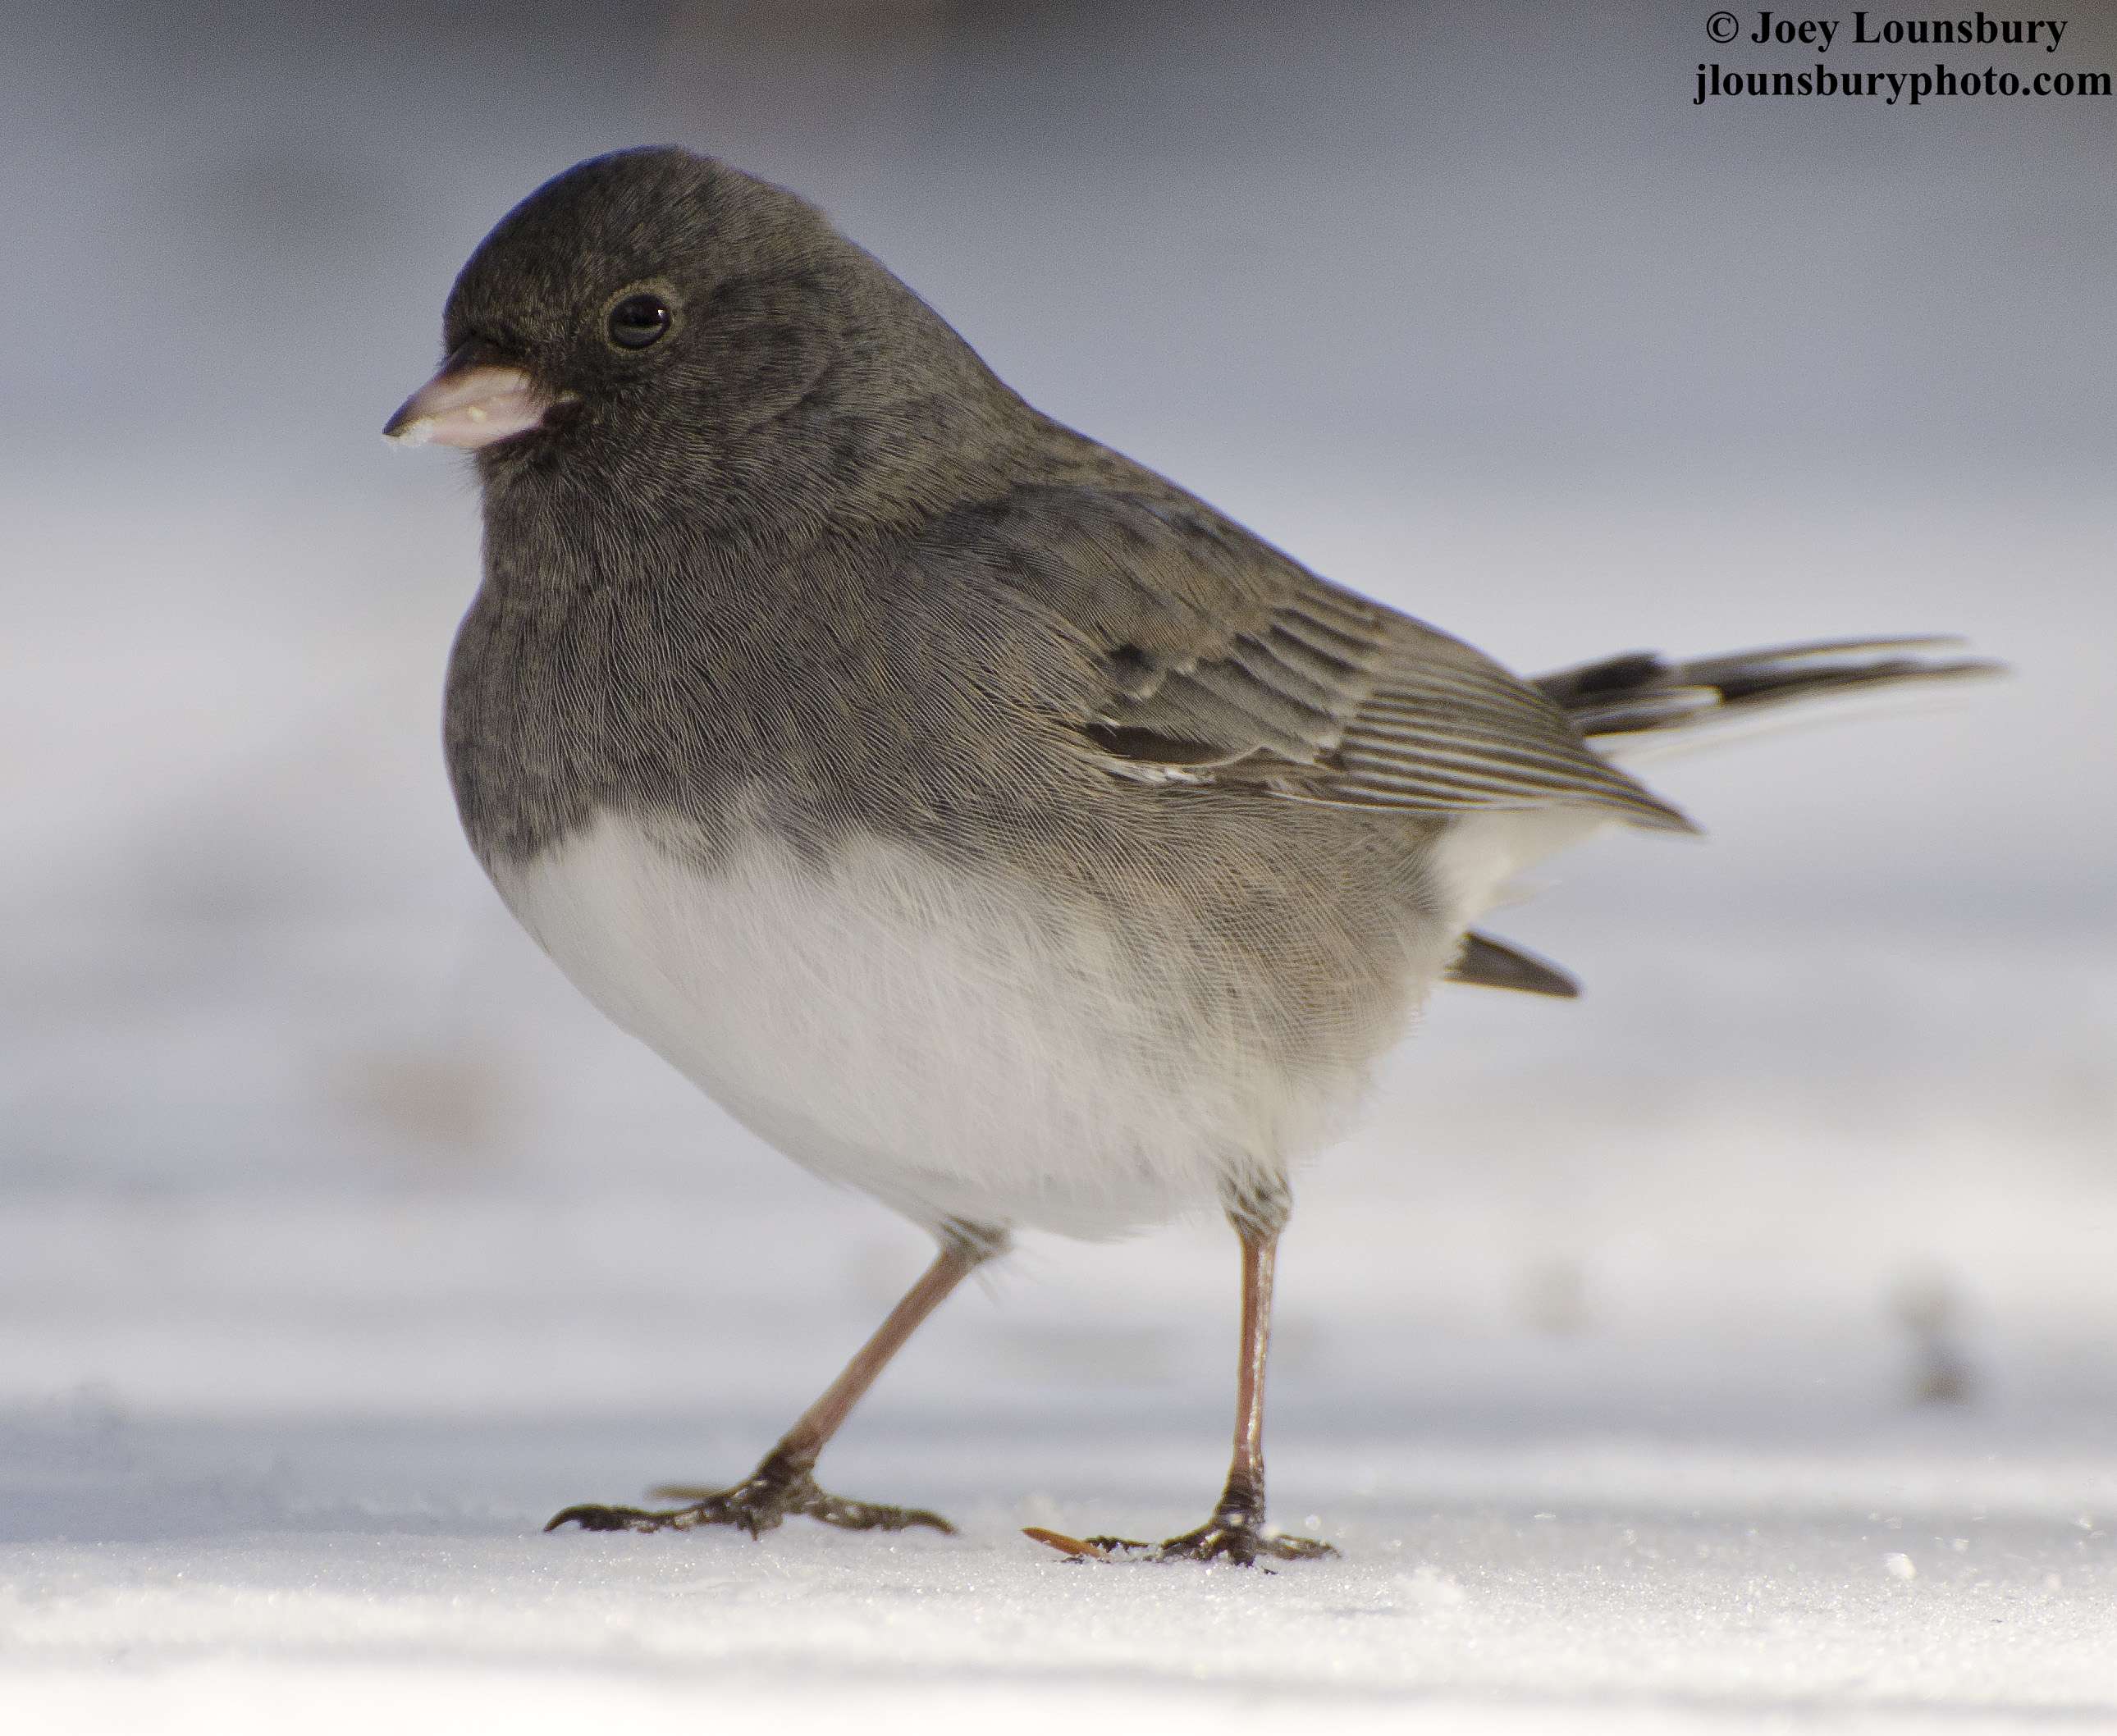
{"x": 1233, "y": 1537}
{"x": 759, "y": 1504}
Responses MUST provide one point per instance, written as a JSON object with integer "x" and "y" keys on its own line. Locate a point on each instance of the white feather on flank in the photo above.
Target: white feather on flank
{"x": 922, "y": 1034}
{"x": 1478, "y": 860}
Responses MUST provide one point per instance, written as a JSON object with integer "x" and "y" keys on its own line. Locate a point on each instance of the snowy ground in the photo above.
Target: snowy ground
{"x": 307, "y": 1484}
{"x": 339, "y": 1245}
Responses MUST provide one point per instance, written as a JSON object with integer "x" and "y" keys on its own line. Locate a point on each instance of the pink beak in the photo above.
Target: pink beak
{"x": 469, "y": 406}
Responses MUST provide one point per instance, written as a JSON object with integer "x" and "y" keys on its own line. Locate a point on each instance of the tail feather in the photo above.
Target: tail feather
{"x": 1641, "y": 691}
{"x": 1642, "y": 694}
{"x": 1498, "y": 964}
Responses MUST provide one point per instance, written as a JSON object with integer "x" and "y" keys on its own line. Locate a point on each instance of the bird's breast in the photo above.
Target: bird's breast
{"x": 957, "y": 1042}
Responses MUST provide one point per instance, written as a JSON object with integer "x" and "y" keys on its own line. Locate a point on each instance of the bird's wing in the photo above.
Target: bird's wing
{"x": 1211, "y": 657}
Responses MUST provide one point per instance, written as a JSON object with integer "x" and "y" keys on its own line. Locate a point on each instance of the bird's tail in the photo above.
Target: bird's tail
{"x": 1642, "y": 694}
{"x": 1637, "y": 702}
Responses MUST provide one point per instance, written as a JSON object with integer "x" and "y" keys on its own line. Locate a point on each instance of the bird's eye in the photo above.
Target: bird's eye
{"x": 637, "y": 321}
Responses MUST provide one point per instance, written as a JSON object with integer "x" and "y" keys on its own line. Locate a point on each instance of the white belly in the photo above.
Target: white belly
{"x": 935, "y": 1038}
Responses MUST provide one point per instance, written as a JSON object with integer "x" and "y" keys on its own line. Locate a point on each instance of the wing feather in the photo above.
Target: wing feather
{"x": 1211, "y": 657}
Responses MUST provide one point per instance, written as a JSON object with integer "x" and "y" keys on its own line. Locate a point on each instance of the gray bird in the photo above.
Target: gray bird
{"x": 988, "y": 823}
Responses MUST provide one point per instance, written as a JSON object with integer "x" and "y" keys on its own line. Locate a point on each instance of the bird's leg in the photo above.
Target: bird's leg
{"x": 784, "y": 1482}
{"x": 1236, "y": 1532}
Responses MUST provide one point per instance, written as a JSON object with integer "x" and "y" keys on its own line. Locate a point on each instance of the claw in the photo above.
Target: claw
{"x": 756, "y": 1507}
{"x": 1242, "y": 1544}
{"x": 1074, "y": 1549}
{"x": 1239, "y": 1544}
{"x": 591, "y": 1518}
{"x": 865, "y": 1516}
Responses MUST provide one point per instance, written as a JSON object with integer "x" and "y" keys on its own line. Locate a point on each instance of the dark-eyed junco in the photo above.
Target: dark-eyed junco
{"x": 989, "y": 823}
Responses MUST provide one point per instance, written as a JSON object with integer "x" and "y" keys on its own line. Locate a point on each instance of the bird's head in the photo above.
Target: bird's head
{"x": 653, "y": 335}
{"x": 652, "y": 302}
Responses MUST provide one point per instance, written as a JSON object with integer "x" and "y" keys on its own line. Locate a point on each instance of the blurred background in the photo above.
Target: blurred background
{"x": 1470, "y": 308}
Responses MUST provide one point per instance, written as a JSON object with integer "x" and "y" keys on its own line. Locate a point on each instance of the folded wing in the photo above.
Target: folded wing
{"x": 1219, "y": 659}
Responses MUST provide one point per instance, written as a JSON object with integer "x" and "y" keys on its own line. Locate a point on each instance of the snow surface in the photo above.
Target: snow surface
{"x": 308, "y": 1486}
{"x": 1735, "y": 1348}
